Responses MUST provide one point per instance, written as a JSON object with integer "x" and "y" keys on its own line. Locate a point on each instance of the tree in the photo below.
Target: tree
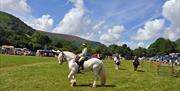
{"x": 140, "y": 52}
{"x": 113, "y": 48}
{"x": 39, "y": 40}
{"x": 69, "y": 46}
{"x": 126, "y": 52}
{"x": 177, "y": 42}
{"x": 57, "y": 44}
{"x": 161, "y": 47}
{"x": 102, "y": 49}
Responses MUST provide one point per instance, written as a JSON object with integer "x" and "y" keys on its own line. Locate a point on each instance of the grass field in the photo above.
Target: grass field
{"x": 26, "y": 73}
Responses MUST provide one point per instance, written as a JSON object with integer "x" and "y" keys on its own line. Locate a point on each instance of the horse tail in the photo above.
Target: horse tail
{"x": 102, "y": 75}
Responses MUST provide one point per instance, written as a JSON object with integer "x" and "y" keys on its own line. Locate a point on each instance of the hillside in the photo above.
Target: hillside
{"x": 15, "y": 32}
{"x": 74, "y": 39}
{"x": 178, "y": 44}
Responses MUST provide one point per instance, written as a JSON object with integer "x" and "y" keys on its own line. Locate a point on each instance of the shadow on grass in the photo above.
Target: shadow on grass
{"x": 177, "y": 76}
{"x": 122, "y": 69}
{"x": 140, "y": 71}
{"x": 90, "y": 85}
{"x": 106, "y": 85}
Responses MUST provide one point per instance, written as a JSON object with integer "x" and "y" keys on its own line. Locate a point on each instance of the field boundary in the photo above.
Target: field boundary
{"x": 24, "y": 65}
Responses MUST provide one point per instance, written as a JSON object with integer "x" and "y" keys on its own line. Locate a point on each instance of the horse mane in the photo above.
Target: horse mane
{"x": 69, "y": 54}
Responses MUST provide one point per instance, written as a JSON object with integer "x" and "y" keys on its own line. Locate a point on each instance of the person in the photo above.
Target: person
{"x": 136, "y": 63}
{"x": 135, "y": 59}
{"x": 81, "y": 57}
{"x": 117, "y": 60}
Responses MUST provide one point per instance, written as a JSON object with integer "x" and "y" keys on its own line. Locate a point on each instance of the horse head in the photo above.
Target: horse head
{"x": 61, "y": 58}
{"x": 65, "y": 56}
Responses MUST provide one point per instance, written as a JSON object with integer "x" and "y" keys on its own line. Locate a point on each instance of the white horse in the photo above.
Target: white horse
{"x": 93, "y": 64}
{"x": 117, "y": 62}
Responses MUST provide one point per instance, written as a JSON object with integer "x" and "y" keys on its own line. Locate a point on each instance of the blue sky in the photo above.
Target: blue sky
{"x": 134, "y": 22}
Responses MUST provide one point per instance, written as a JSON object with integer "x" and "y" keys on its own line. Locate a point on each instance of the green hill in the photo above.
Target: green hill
{"x": 15, "y": 32}
{"x": 74, "y": 39}
{"x": 178, "y": 45}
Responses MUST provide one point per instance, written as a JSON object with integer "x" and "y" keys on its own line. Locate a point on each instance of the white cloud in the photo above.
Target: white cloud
{"x": 44, "y": 23}
{"x": 98, "y": 26}
{"x": 87, "y": 21}
{"x": 150, "y": 30}
{"x": 78, "y": 3}
{"x": 112, "y": 35}
{"x": 134, "y": 45}
{"x": 12, "y": 6}
{"x": 116, "y": 29}
{"x": 89, "y": 36}
{"x": 109, "y": 37}
{"x": 171, "y": 11}
{"x": 74, "y": 22}
{"x": 140, "y": 44}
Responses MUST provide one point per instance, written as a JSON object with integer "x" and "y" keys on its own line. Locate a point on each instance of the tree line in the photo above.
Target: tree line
{"x": 161, "y": 46}
{"x": 37, "y": 40}
{"x": 15, "y": 32}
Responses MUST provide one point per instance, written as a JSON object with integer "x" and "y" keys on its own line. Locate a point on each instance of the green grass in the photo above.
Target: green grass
{"x": 13, "y": 60}
{"x": 26, "y": 73}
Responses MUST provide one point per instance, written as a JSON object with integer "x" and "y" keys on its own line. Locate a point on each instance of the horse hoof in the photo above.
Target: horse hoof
{"x": 73, "y": 84}
{"x": 93, "y": 86}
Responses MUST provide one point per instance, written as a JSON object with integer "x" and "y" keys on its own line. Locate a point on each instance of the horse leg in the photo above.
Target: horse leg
{"x": 95, "y": 79}
{"x": 73, "y": 81}
{"x": 59, "y": 62}
{"x": 135, "y": 67}
{"x": 71, "y": 77}
{"x": 96, "y": 75}
{"x": 117, "y": 67}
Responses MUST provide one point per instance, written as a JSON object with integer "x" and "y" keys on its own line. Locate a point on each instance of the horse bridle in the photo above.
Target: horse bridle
{"x": 63, "y": 57}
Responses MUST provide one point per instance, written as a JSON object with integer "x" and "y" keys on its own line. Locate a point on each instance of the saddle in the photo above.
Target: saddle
{"x": 80, "y": 64}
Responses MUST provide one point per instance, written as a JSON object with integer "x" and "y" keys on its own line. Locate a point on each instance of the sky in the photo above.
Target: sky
{"x": 137, "y": 23}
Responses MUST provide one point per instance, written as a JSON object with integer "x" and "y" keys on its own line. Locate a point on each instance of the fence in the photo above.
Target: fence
{"x": 164, "y": 69}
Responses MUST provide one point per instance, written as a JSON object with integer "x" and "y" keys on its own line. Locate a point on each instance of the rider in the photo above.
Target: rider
{"x": 136, "y": 59}
{"x": 82, "y": 56}
{"x": 117, "y": 59}
{"x": 135, "y": 62}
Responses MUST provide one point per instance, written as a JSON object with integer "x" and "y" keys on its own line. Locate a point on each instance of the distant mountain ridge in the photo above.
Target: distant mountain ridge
{"x": 14, "y": 26}
{"x": 72, "y": 38}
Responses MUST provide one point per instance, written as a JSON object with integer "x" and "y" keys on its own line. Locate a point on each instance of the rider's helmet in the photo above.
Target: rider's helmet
{"x": 84, "y": 44}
